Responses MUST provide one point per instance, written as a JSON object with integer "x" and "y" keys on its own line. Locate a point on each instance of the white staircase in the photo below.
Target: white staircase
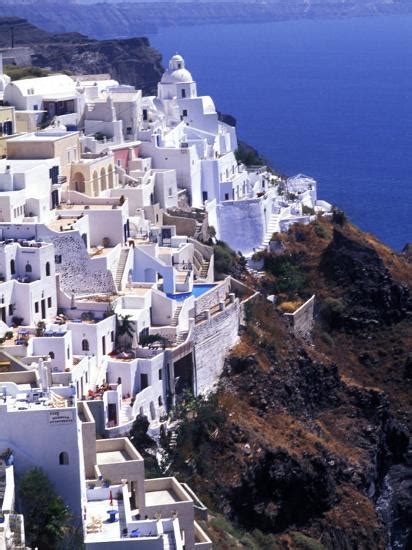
{"x": 272, "y": 227}
{"x": 181, "y": 338}
{"x": 175, "y": 319}
{"x": 204, "y": 269}
{"x": 125, "y": 413}
{"x": 168, "y": 541}
{"x": 124, "y": 254}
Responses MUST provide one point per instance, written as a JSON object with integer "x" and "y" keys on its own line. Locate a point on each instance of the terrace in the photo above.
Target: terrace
{"x": 85, "y": 207}
{"x": 63, "y": 224}
{"x": 35, "y": 399}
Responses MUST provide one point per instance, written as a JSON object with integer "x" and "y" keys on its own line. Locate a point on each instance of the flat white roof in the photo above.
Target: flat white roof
{"x": 155, "y": 498}
{"x": 109, "y": 457}
{"x": 20, "y": 165}
{"x": 44, "y": 136}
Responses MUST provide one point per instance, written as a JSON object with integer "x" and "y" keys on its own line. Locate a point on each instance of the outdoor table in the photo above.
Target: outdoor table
{"x": 112, "y": 515}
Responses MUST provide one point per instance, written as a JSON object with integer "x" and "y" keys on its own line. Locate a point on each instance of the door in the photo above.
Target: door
{"x": 43, "y": 309}
{"x": 112, "y": 414}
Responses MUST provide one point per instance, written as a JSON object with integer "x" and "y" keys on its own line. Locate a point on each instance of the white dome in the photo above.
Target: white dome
{"x": 177, "y": 77}
{"x": 177, "y": 58}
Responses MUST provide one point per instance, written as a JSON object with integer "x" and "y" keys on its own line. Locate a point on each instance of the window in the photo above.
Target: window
{"x": 104, "y": 345}
{"x": 204, "y": 196}
{"x": 63, "y": 459}
{"x": 47, "y": 269}
{"x": 58, "y": 259}
{"x": 13, "y": 267}
{"x": 36, "y": 307}
{"x": 184, "y": 112}
{"x": 170, "y": 192}
{"x": 68, "y": 353}
{"x": 226, "y": 196}
{"x": 85, "y": 345}
{"x": 145, "y": 114}
{"x": 160, "y": 401}
{"x": 54, "y": 174}
{"x": 29, "y": 268}
{"x": 49, "y": 302}
{"x": 11, "y": 309}
{"x": 160, "y": 374}
{"x": 112, "y": 336}
{"x": 51, "y": 354}
{"x": 183, "y": 93}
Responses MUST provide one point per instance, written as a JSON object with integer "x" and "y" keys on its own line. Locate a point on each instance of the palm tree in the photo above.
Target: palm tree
{"x": 125, "y": 331}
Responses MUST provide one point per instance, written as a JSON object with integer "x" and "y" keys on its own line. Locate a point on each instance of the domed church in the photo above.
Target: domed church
{"x": 177, "y": 82}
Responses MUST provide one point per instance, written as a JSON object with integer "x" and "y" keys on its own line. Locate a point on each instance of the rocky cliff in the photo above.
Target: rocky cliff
{"x": 131, "y": 61}
{"x": 305, "y": 444}
{"x": 119, "y": 19}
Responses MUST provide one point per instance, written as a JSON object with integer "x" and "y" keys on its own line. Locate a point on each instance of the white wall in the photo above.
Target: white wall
{"x": 241, "y": 224}
{"x": 26, "y": 432}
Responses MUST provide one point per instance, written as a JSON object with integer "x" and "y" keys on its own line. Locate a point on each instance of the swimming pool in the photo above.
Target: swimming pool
{"x": 197, "y": 291}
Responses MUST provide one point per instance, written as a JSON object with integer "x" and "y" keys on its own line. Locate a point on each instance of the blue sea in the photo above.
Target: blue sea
{"x": 328, "y": 98}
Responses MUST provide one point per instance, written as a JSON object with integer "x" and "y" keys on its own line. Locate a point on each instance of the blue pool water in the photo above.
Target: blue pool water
{"x": 197, "y": 291}
{"x": 330, "y": 98}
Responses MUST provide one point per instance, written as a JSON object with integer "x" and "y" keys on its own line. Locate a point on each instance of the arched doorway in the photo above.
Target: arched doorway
{"x": 78, "y": 183}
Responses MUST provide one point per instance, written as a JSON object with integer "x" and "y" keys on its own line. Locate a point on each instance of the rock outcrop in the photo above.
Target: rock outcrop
{"x": 131, "y": 61}
{"x": 311, "y": 446}
{"x": 119, "y": 19}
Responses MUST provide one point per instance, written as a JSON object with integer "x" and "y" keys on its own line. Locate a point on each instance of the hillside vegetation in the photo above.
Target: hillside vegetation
{"x": 293, "y": 447}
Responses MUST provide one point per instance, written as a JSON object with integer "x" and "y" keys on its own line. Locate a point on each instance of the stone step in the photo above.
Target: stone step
{"x": 181, "y": 337}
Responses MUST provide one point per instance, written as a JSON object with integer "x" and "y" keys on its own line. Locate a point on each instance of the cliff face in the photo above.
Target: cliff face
{"x": 118, "y": 19}
{"x": 131, "y": 61}
{"x": 310, "y": 447}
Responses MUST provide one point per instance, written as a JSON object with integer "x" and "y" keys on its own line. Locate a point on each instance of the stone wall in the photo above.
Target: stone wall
{"x": 75, "y": 271}
{"x": 184, "y": 226}
{"x": 213, "y": 297}
{"x": 212, "y": 341}
{"x": 301, "y": 321}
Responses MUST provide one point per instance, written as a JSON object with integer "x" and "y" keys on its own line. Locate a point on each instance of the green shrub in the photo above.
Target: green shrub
{"x": 21, "y": 73}
{"x": 225, "y": 258}
{"x": 46, "y": 517}
{"x": 321, "y": 231}
{"x": 289, "y": 276}
{"x": 339, "y": 217}
{"x": 332, "y": 311}
{"x": 306, "y": 543}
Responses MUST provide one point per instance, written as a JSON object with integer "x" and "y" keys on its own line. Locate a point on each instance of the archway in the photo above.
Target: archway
{"x": 63, "y": 459}
{"x": 77, "y": 183}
